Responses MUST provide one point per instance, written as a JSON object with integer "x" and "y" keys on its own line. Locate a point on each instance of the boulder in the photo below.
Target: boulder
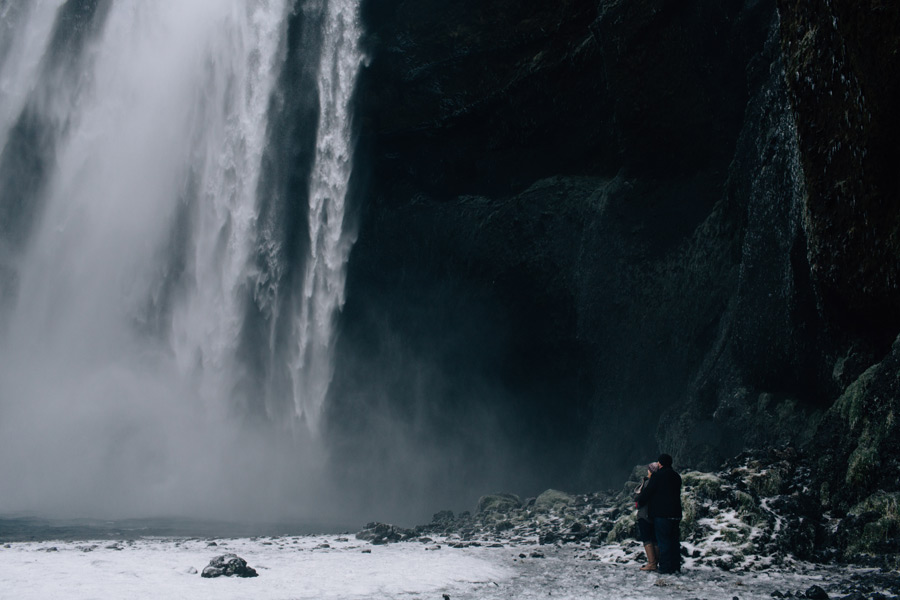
{"x": 498, "y": 503}
{"x": 553, "y": 500}
{"x": 229, "y": 565}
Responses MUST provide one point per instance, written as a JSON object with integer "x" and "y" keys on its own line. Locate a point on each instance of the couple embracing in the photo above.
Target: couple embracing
{"x": 659, "y": 516}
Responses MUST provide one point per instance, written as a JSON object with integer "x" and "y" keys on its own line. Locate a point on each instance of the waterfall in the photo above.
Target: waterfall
{"x": 132, "y": 145}
{"x": 323, "y": 283}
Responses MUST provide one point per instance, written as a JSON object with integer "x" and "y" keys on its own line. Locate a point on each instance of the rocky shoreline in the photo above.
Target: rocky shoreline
{"x": 760, "y": 511}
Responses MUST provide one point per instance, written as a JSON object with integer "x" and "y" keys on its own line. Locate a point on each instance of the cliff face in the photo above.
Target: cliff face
{"x": 592, "y": 230}
{"x": 842, "y": 74}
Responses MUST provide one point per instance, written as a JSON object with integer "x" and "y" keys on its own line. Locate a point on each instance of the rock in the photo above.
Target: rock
{"x": 549, "y": 537}
{"x": 228, "y": 565}
{"x": 552, "y": 500}
{"x": 816, "y": 593}
{"x": 383, "y": 533}
{"x": 501, "y": 503}
{"x": 624, "y": 528}
{"x": 443, "y": 517}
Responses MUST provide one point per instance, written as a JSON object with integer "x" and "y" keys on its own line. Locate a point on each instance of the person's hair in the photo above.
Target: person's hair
{"x": 653, "y": 467}
{"x": 665, "y": 460}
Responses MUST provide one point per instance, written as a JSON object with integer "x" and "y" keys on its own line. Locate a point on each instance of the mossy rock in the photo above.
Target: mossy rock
{"x": 638, "y": 473}
{"x": 863, "y": 463}
{"x": 747, "y": 505}
{"x": 553, "y": 499}
{"x": 851, "y": 404}
{"x": 767, "y": 483}
{"x": 703, "y": 485}
{"x": 880, "y": 532}
{"x": 625, "y": 528}
{"x": 737, "y": 535}
{"x": 502, "y": 503}
{"x": 689, "y": 515}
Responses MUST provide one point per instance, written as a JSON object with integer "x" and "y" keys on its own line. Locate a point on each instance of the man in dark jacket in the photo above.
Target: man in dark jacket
{"x": 662, "y": 495}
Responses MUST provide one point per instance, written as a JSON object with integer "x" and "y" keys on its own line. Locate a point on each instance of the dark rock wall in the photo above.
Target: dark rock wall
{"x": 586, "y": 233}
{"x": 843, "y": 72}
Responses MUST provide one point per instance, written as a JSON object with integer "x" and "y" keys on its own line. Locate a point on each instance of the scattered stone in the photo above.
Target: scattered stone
{"x": 228, "y": 565}
{"x": 755, "y": 513}
{"x": 537, "y": 555}
{"x": 211, "y": 544}
{"x": 383, "y": 533}
{"x": 816, "y": 593}
{"x": 191, "y": 571}
{"x": 366, "y": 551}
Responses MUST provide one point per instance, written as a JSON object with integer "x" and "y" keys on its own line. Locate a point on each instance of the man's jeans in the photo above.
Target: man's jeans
{"x": 667, "y": 538}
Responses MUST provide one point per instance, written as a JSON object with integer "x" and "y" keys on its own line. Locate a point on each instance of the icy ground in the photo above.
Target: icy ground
{"x": 324, "y": 567}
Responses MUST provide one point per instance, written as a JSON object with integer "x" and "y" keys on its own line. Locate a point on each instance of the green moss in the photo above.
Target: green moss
{"x": 851, "y": 404}
{"x": 553, "y": 499}
{"x": 862, "y": 465}
{"x": 767, "y": 483}
{"x": 624, "y": 528}
{"x": 739, "y": 535}
{"x": 882, "y": 533}
{"x": 689, "y": 515}
{"x": 748, "y": 506}
{"x": 703, "y": 485}
{"x": 498, "y": 503}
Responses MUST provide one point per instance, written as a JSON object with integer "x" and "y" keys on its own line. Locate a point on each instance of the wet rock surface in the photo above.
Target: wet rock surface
{"x": 228, "y": 565}
{"x": 759, "y": 512}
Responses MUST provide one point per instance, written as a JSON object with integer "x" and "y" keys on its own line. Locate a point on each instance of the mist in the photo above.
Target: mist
{"x": 144, "y": 365}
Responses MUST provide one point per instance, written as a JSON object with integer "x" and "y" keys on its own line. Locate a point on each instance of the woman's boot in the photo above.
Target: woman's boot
{"x": 652, "y": 557}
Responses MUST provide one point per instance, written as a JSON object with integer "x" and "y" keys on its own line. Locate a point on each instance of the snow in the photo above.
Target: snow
{"x": 334, "y": 567}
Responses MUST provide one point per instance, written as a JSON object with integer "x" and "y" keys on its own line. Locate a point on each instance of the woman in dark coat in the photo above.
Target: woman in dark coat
{"x": 646, "y": 534}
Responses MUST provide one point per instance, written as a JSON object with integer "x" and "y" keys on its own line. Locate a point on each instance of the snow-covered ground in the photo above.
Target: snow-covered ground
{"x": 323, "y": 567}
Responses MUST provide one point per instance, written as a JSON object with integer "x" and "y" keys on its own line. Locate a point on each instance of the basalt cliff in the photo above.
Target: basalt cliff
{"x": 591, "y": 230}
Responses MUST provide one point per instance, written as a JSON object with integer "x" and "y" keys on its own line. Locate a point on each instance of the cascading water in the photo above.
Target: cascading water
{"x": 323, "y": 283}
{"x": 132, "y": 333}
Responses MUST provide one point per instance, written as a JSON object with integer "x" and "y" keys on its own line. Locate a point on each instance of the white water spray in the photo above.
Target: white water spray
{"x": 121, "y": 354}
{"x": 330, "y": 242}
